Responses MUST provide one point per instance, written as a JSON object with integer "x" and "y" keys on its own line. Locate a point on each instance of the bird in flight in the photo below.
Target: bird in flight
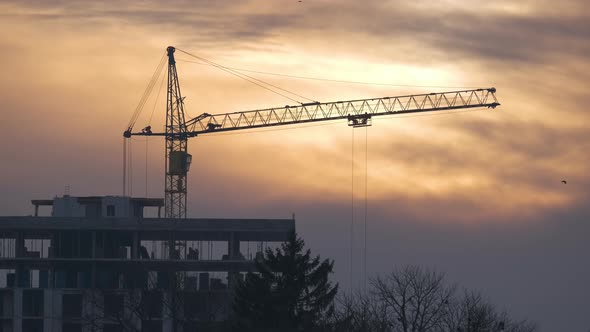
{"x": 564, "y": 181}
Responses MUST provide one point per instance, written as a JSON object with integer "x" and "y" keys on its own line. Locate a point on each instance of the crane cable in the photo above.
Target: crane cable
{"x": 352, "y": 212}
{"x": 341, "y": 81}
{"x": 147, "y": 92}
{"x": 147, "y": 137}
{"x": 130, "y": 150}
{"x": 157, "y": 98}
{"x": 127, "y": 150}
{"x": 250, "y": 79}
{"x": 364, "y": 267}
{"x": 366, "y": 205}
{"x": 247, "y": 78}
{"x": 146, "y": 166}
{"x": 127, "y": 167}
{"x": 124, "y": 166}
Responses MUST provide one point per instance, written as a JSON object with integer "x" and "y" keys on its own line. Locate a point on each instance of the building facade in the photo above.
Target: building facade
{"x": 96, "y": 264}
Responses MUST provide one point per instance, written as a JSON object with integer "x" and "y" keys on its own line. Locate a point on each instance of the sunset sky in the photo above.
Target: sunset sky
{"x": 477, "y": 195}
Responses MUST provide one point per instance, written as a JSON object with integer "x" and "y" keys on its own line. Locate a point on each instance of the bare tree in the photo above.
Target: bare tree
{"x": 413, "y": 299}
{"x": 473, "y": 313}
{"x": 416, "y": 299}
{"x": 358, "y": 313}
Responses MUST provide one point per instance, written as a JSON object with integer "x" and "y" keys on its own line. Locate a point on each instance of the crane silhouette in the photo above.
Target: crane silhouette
{"x": 357, "y": 112}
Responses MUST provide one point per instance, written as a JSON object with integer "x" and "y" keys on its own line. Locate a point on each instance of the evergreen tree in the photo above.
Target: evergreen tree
{"x": 289, "y": 292}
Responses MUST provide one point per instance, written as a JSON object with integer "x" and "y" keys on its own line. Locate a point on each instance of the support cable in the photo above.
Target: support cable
{"x": 157, "y": 97}
{"x": 339, "y": 81}
{"x": 124, "y": 166}
{"x": 352, "y": 212}
{"x": 127, "y": 153}
{"x": 249, "y": 78}
{"x": 147, "y": 137}
{"x": 130, "y": 168}
{"x": 147, "y": 92}
{"x": 366, "y": 184}
{"x": 242, "y": 76}
{"x": 146, "y": 166}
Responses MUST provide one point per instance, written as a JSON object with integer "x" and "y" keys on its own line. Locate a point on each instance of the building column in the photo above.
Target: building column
{"x": 51, "y": 278}
{"x": 233, "y": 250}
{"x": 55, "y": 310}
{"x": 48, "y": 308}
{"x": 167, "y": 315}
{"x": 17, "y": 310}
{"x": 51, "y": 252}
{"x": 171, "y": 246}
{"x": 93, "y": 275}
{"x": 233, "y": 247}
{"x": 135, "y": 245}
{"x": 19, "y": 249}
{"x": 93, "y": 245}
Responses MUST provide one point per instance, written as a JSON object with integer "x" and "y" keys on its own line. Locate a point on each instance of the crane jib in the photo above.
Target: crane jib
{"x": 357, "y": 115}
{"x": 353, "y": 110}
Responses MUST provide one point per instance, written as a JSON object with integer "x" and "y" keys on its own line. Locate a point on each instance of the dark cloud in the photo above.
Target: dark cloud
{"x": 477, "y": 34}
{"x": 530, "y": 140}
{"x": 200, "y": 23}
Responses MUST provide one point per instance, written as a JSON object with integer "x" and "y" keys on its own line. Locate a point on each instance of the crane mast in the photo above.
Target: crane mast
{"x": 177, "y": 158}
{"x": 357, "y": 112}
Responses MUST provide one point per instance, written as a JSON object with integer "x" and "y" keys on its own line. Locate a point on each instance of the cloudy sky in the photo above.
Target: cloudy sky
{"x": 477, "y": 195}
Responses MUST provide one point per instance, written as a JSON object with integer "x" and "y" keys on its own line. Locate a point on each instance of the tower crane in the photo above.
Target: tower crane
{"x": 357, "y": 112}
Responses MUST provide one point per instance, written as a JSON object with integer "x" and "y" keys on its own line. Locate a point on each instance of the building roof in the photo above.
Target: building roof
{"x": 246, "y": 229}
{"x": 143, "y": 201}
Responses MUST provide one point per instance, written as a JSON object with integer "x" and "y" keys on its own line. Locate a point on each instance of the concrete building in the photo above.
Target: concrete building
{"x": 96, "y": 264}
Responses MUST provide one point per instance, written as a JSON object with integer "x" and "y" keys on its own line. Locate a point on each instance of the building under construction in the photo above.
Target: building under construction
{"x": 96, "y": 264}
